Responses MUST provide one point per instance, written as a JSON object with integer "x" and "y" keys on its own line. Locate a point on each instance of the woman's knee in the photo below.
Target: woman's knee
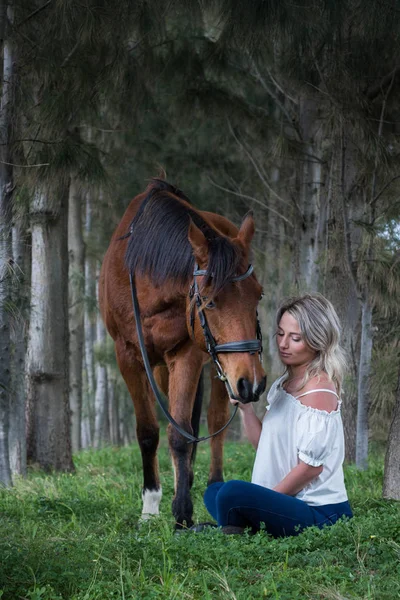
{"x": 232, "y": 488}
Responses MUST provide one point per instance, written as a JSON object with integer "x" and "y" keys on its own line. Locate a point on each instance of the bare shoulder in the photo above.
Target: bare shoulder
{"x": 315, "y": 398}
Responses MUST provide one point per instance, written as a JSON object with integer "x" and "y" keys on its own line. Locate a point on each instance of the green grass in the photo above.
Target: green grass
{"x": 77, "y": 537}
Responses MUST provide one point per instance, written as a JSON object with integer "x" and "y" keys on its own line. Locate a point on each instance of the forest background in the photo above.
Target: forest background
{"x": 290, "y": 110}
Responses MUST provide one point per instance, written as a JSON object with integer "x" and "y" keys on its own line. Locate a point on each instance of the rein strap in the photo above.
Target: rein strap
{"x": 160, "y": 397}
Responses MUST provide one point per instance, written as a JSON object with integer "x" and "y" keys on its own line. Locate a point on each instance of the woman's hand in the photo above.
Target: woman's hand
{"x": 243, "y": 407}
{"x": 251, "y": 423}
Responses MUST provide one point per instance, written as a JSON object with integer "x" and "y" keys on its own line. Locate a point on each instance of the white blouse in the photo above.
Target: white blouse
{"x": 291, "y": 432}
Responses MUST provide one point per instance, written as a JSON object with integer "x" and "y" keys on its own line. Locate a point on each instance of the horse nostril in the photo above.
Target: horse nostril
{"x": 261, "y": 386}
{"x": 245, "y": 389}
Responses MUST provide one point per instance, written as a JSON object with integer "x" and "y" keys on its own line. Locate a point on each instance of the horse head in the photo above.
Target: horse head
{"x": 222, "y": 309}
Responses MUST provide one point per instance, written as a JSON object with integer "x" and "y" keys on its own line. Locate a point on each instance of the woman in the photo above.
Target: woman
{"x": 297, "y": 477}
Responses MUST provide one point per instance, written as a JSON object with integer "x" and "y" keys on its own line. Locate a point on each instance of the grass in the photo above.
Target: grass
{"x": 77, "y": 537}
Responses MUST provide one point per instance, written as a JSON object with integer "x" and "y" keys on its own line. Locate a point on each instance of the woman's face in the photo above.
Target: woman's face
{"x": 293, "y": 350}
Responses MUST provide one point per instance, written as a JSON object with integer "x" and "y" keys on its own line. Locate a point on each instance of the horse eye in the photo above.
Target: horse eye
{"x": 210, "y": 305}
{"x": 262, "y": 295}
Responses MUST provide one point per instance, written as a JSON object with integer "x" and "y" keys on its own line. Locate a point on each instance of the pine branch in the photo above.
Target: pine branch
{"x": 376, "y": 198}
{"x": 24, "y": 166}
{"x": 291, "y": 119}
{"x": 377, "y": 89}
{"x": 33, "y": 14}
{"x": 373, "y": 200}
{"x": 283, "y": 92}
{"x": 246, "y": 197}
{"x": 254, "y": 163}
{"x": 70, "y": 55}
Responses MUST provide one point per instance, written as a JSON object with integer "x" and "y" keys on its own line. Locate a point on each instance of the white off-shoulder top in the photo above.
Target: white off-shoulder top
{"x": 291, "y": 432}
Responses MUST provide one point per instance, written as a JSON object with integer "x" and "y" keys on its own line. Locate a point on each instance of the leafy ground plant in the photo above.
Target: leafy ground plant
{"x": 77, "y": 537}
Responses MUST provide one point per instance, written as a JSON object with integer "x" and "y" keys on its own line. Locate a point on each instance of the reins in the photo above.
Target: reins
{"x": 251, "y": 346}
{"x": 160, "y": 397}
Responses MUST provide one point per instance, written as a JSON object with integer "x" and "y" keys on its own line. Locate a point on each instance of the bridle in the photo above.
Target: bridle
{"x": 251, "y": 346}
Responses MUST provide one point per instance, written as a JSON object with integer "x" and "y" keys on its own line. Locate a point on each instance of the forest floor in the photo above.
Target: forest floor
{"x": 77, "y": 537}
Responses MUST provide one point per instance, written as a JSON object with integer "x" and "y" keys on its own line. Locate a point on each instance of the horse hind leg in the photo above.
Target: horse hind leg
{"x": 147, "y": 428}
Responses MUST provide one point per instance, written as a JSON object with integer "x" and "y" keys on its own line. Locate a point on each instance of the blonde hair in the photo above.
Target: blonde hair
{"x": 320, "y": 330}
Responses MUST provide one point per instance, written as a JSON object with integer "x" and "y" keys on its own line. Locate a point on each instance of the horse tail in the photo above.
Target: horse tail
{"x": 196, "y": 413}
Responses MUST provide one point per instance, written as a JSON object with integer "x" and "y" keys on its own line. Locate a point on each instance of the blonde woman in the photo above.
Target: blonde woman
{"x": 297, "y": 476}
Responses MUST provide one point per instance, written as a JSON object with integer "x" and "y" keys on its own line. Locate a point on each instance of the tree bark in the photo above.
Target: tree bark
{"x": 391, "y": 480}
{"x": 17, "y": 440}
{"x": 48, "y": 435}
{"x": 89, "y": 336}
{"x": 113, "y": 409}
{"x": 310, "y": 176}
{"x": 6, "y": 185}
{"x": 339, "y": 285}
{"x": 101, "y": 428}
{"x": 364, "y": 384}
{"x": 76, "y": 311}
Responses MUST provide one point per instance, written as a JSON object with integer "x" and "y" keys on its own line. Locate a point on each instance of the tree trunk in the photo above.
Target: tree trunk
{"x": 6, "y": 185}
{"x": 274, "y": 273}
{"x": 391, "y": 480}
{"x": 89, "y": 336}
{"x": 127, "y": 425}
{"x": 48, "y": 436}
{"x": 339, "y": 285}
{"x": 113, "y": 409}
{"x": 309, "y": 183}
{"x": 363, "y": 384}
{"x": 17, "y": 417}
{"x": 76, "y": 311}
{"x": 101, "y": 427}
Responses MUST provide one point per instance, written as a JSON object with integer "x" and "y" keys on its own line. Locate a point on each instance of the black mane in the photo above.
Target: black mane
{"x": 159, "y": 247}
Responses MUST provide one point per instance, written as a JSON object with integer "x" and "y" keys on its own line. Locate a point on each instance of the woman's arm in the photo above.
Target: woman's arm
{"x": 251, "y": 423}
{"x": 298, "y": 478}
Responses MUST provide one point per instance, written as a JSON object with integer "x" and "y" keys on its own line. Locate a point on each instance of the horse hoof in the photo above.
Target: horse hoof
{"x": 199, "y": 527}
{"x": 232, "y": 530}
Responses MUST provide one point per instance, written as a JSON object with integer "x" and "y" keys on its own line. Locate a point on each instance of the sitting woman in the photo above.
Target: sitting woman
{"x": 297, "y": 476}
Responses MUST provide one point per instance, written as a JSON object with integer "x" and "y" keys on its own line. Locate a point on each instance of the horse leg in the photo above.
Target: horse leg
{"x": 147, "y": 428}
{"x": 195, "y": 422}
{"x": 184, "y": 374}
{"x": 217, "y": 416}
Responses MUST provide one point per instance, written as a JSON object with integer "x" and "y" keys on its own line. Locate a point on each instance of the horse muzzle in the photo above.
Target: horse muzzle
{"x": 248, "y": 392}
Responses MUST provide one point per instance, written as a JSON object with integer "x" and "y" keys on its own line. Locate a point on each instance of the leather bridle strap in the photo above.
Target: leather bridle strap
{"x": 249, "y": 271}
{"x": 160, "y": 397}
{"x": 251, "y": 346}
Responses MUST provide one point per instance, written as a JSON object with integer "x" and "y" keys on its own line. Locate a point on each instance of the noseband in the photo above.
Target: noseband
{"x": 251, "y": 346}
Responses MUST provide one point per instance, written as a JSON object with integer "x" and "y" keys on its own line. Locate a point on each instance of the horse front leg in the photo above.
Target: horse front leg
{"x": 184, "y": 374}
{"x": 147, "y": 428}
{"x": 217, "y": 416}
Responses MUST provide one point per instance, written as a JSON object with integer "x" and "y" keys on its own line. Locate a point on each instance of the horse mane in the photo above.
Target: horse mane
{"x": 159, "y": 246}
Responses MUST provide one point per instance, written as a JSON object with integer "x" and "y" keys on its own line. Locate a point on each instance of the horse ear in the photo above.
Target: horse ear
{"x": 199, "y": 244}
{"x": 247, "y": 229}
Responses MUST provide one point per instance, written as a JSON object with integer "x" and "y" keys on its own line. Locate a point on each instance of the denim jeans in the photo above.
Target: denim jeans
{"x": 245, "y": 504}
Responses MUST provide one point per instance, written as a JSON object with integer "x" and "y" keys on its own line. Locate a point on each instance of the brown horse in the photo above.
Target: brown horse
{"x": 180, "y": 255}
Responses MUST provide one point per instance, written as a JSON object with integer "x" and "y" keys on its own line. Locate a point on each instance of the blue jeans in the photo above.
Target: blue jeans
{"x": 245, "y": 504}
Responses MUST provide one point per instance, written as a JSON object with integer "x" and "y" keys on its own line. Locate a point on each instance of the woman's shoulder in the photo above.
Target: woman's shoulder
{"x": 274, "y": 390}
{"x": 320, "y": 393}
